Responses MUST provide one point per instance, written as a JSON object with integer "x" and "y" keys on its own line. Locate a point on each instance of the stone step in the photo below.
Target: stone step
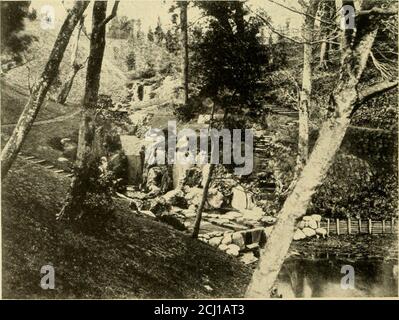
{"x": 39, "y": 161}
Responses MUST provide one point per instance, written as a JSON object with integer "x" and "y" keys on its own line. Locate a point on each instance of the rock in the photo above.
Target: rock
{"x": 223, "y": 247}
{"x": 62, "y": 159}
{"x": 65, "y": 140}
{"x": 238, "y": 239}
{"x": 248, "y": 258}
{"x": 232, "y": 215}
{"x": 176, "y": 198}
{"x": 299, "y": 234}
{"x": 208, "y": 288}
{"x": 189, "y": 213}
{"x": 215, "y": 198}
{"x": 148, "y": 213}
{"x": 159, "y": 206}
{"x": 203, "y": 118}
{"x": 322, "y": 232}
{"x": 255, "y": 214}
{"x": 301, "y": 225}
{"x": 312, "y": 224}
{"x": 227, "y": 239}
{"x": 307, "y": 218}
{"x": 316, "y": 217}
{"x": 239, "y": 200}
{"x": 193, "y": 196}
{"x": 269, "y": 220}
{"x": 192, "y": 177}
{"x": 233, "y": 250}
{"x": 215, "y": 241}
{"x": 309, "y": 232}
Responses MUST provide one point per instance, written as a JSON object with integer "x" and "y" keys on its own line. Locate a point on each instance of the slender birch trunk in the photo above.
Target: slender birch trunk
{"x": 343, "y": 101}
{"x": 184, "y": 49}
{"x": 40, "y": 88}
{"x": 88, "y": 143}
{"x": 75, "y": 67}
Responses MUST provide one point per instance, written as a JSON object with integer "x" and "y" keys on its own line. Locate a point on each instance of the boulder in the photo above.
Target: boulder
{"x": 255, "y": 213}
{"x": 248, "y": 258}
{"x": 312, "y": 224}
{"x": 237, "y": 238}
{"x": 299, "y": 234}
{"x": 215, "y": 241}
{"x": 309, "y": 232}
{"x": 223, "y": 247}
{"x": 316, "y": 217}
{"x": 239, "y": 200}
{"x": 193, "y": 195}
{"x": 322, "y": 232}
{"x": 233, "y": 250}
{"x": 176, "y": 198}
{"x": 231, "y": 215}
{"x": 189, "y": 213}
{"x": 192, "y": 177}
{"x": 62, "y": 160}
{"x": 215, "y": 198}
{"x": 203, "y": 118}
{"x": 301, "y": 225}
{"x": 227, "y": 239}
{"x": 268, "y": 220}
{"x": 307, "y": 218}
{"x": 159, "y": 206}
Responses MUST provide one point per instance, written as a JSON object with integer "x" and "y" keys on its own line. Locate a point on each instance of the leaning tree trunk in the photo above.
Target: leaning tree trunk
{"x": 343, "y": 101}
{"x": 305, "y": 96}
{"x": 87, "y": 128}
{"x": 67, "y": 86}
{"x": 75, "y": 67}
{"x": 39, "y": 91}
{"x": 184, "y": 49}
{"x": 200, "y": 209}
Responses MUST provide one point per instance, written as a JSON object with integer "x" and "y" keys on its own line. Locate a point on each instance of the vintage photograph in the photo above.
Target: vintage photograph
{"x": 162, "y": 149}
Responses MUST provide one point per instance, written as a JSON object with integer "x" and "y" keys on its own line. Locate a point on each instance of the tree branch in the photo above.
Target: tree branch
{"x": 377, "y": 11}
{"x": 111, "y": 16}
{"x": 373, "y": 91}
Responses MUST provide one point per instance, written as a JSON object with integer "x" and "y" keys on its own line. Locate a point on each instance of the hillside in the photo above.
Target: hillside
{"x": 135, "y": 258}
{"x": 112, "y": 83}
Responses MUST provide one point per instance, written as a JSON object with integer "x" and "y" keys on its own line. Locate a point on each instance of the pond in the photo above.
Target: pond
{"x": 306, "y": 277}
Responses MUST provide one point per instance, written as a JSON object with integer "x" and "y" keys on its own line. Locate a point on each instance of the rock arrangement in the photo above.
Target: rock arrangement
{"x": 234, "y": 243}
{"x": 309, "y": 227}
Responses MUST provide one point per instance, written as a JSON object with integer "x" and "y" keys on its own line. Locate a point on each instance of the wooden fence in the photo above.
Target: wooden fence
{"x": 357, "y": 226}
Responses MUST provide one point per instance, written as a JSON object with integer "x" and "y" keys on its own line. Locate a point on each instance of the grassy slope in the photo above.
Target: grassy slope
{"x": 136, "y": 258}
{"x": 111, "y": 84}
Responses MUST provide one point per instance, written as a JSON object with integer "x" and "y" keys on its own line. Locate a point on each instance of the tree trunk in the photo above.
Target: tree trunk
{"x": 184, "y": 49}
{"x": 75, "y": 66}
{"x": 87, "y": 128}
{"x": 305, "y": 96}
{"x": 39, "y": 91}
{"x": 198, "y": 218}
{"x": 343, "y": 100}
{"x": 67, "y": 86}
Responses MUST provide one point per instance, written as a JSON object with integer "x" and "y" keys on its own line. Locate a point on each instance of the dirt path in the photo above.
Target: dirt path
{"x": 48, "y": 121}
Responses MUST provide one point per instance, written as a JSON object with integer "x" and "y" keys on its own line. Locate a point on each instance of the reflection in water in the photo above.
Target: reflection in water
{"x": 309, "y": 277}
